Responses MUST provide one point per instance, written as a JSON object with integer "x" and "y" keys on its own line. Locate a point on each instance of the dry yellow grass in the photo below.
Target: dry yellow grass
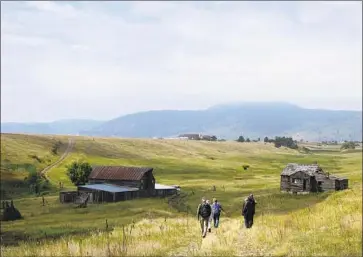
{"x": 330, "y": 228}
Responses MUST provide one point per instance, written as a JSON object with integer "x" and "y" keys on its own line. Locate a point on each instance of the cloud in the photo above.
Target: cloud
{"x": 104, "y": 59}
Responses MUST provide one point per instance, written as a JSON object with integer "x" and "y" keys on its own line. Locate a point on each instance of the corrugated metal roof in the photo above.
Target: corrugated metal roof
{"x": 292, "y": 168}
{"x": 160, "y": 186}
{"x": 109, "y": 188}
{"x": 118, "y": 172}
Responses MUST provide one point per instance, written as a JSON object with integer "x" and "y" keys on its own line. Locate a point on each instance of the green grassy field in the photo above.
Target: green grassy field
{"x": 330, "y": 223}
{"x": 21, "y": 154}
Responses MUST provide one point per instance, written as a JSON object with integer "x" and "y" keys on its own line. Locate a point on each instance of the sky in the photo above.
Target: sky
{"x": 101, "y": 60}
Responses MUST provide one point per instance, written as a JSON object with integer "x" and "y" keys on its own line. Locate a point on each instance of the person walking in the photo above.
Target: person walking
{"x": 210, "y": 218}
{"x": 248, "y": 210}
{"x": 204, "y": 212}
{"x": 216, "y": 212}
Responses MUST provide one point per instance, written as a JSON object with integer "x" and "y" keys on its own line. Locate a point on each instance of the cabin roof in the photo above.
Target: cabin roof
{"x": 292, "y": 168}
{"x": 109, "y": 188}
{"x": 309, "y": 169}
{"x": 118, "y": 172}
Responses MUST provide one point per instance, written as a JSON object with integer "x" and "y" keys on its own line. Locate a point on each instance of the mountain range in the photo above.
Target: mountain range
{"x": 227, "y": 121}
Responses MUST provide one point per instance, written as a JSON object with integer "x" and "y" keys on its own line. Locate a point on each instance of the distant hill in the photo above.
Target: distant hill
{"x": 57, "y": 127}
{"x": 228, "y": 121}
{"x": 232, "y": 120}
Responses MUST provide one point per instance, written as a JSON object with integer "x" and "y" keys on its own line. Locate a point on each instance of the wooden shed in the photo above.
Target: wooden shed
{"x": 299, "y": 178}
{"x": 119, "y": 183}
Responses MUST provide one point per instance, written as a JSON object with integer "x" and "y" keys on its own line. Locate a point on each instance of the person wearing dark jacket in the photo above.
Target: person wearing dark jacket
{"x": 248, "y": 210}
{"x": 204, "y": 212}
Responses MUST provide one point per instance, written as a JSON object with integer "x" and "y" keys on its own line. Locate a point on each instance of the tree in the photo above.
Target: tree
{"x": 285, "y": 141}
{"x": 36, "y": 182}
{"x": 213, "y": 138}
{"x": 56, "y": 147}
{"x": 78, "y": 172}
{"x": 258, "y": 139}
{"x": 241, "y": 139}
{"x": 348, "y": 145}
{"x": 248, "y": 140}
{"x": 265, "y": 140}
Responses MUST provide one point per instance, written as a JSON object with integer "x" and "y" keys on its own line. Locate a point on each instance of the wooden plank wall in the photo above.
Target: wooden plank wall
{"x": 287, "y": 182}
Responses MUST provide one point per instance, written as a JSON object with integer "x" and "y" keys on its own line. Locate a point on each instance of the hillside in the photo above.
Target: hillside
{"x": 253, "y": 120}
{"x": 329, "y": 222}
{"x": 230, "y": 121}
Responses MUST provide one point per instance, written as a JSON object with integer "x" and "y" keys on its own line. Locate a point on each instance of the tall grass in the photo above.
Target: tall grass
{"x": 330, "y": 228}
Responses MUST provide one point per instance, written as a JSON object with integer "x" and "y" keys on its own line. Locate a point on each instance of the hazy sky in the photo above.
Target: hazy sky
{"x": 103, "y": 59}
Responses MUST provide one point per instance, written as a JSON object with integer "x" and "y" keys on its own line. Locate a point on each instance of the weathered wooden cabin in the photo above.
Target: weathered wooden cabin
{"x": 298, "y": 178}
{"x": 120, "y": 183}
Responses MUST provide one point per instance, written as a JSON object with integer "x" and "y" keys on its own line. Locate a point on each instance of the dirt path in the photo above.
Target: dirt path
{"x": 64, "y": 155}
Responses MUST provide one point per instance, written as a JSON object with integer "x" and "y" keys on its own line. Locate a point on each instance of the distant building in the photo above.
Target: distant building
{"x": 297, "y": 178}
{"x": 119, "y": 183}
{"x": 191, "y": 136}
{"x": 209, "y": 138}
{"x": 198, "y": 137}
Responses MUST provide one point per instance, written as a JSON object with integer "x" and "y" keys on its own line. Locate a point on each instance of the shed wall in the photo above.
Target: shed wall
{"x": 298, "y": 182}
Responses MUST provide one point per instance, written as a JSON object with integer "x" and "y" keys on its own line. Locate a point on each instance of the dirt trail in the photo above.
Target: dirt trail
{"x": 228, "y": 234}
{"x": 64, "y": 155}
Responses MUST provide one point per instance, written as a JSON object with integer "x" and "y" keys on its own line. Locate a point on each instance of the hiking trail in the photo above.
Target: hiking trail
{"x": 63, "y": 156}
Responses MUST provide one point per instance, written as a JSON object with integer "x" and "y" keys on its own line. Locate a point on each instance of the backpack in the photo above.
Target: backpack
{"x": 216, "y": 208}
{"x": 205, "y": 210}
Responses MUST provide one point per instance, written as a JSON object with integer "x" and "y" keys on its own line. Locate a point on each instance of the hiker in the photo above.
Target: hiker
{"x": 216, "y": 212}
{"x": 248, "y": 210}
{"x": 210, "y": 218}
{"x": 203, "y": 215}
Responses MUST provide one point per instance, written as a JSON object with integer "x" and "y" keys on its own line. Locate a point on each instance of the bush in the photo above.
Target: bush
{"x": 286, "y": 142}
{"x": 78, "y": 172}
{"x": 348, "y": 145}
{"x": 36, "y": 182}
{"x": 245, "y": 167}
{"x": 241, "y": 139}
{"x": 56, "y": 147}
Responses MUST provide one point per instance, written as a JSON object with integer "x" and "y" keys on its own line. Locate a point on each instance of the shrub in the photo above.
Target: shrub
{"x": 56, "y": 147}
{"x": 241, "y": 139}
{"x": 285, "y": 141}
{"x": 348, "y": 145}
{"x": 36, "y": 182}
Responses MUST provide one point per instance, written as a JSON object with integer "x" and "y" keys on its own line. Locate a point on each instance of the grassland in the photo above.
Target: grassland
{"x": 329, "y": 223}
{"x": 21, "y": 154}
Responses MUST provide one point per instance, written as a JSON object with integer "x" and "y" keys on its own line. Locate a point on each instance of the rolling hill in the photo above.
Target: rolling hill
{"x": 229, "y": 121}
